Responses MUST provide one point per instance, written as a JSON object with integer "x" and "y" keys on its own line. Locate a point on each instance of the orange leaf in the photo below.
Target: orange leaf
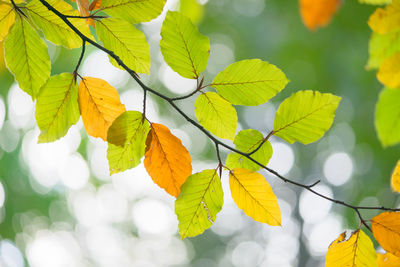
{"x": 83, "y": 7}
{"x": 386, "y": 230}
{"x": 318, "y": 13}
{"x": 388, "y": 260}
{"x": 395, "y": 180}
{"x": 166, "y": 160}
{"x": 100, "y": 106}
{"x": 96, "y": 4}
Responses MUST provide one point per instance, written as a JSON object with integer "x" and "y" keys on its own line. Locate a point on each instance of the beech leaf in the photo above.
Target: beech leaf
{"x": 386, "y": 230}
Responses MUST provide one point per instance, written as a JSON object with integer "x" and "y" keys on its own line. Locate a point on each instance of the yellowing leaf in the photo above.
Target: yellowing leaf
{"x": 386, "y": 230}
{"x": 166, "y": 160}
{"x": 305, "y": 116}
{"x": 27, "y": 57}
{"x": 387, "y": 19}
{"x": 100, "y": 106}
{"x": 125, "y": 41}
{"x": 388, "y": 260}
{"x": 387, "y": 117}
{"x": 381, "y": 47}
{"x": 84, "y": 7}
{"x": 57, "y": 107}
{"x": 7, "y": 18}
{"x": 389, "y": 72}
{"x": 55, "y": 28}
{"x": 395, "y": 179}
{"x": 199, "y": 202}
{"x": 247, "y": 141}
{"x": 126, "y": 141}
{"x": 184, "y": 49}
{"x": 95, "y": 4}
{"x": 318, "y": 13}
{"x": 216, "y": 115}
{"x": 252, "y": 193}
{"x": 357, "y": 251}
{"x": 250, "y": 82}
{"x": 375, "y": 2}
{"x": 134, "y": 11}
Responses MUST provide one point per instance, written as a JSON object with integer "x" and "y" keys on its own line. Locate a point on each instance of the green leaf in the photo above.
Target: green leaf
{"x": 126, "y": 141}
{"x": 200, "y": 200}
{"x": 55, "y": 28}
{"x": 27, "y": 57}
{"x": 134, "y": 11}
{"x": 125, "y": 41}
{"x": 305, "y": 116}
{"x": 381, "y": 47}
{"x": 184, "y": 49}
{"x": 250, "y": 82}
{"x": 387, "y": 117}
{"x": 375, "y": 2}
{"x": 216, "y": 115}
{"x": 57, "y": 107}
{"x": 246, "y": 141}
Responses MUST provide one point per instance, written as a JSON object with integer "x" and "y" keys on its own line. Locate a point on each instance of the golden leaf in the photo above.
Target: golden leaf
{"x": 318, "y": 13}
{"x": 386, "y": 230}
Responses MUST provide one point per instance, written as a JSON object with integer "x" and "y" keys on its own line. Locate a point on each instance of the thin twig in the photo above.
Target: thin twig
{"x": 144, "y": 103}
{"x": 262, "y": 142}
{"x": 75, "y": 73}
{"x": 220, "y": 165}
{"x": 198, "y": 88}
{"x": 86, "y": 17}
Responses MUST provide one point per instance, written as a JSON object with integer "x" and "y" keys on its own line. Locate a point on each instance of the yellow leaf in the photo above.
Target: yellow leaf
{"x": 166, "y": 160}
{"x": 357, "y": 251}
{"x": 386, "y": 20}
{"x": 7, "y": 18}
{"x": 100, "y": 106}
{"x": 389, "y": 72}
{"x": 388, "y": 260}
{"x": 386, "y": 230}
{"x": 395, "y": 179}
{"x": 318, "y": 13}
{"x": 253, "y": 194}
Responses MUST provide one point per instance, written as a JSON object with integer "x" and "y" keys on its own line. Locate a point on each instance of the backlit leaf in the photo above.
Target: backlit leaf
{"x": 395, "y": 179}
{"x": 166, "y": 160}
{"x": 95, "y": 4}
{"x": 386, "y": 230}
{"x": 386, "y": 19}
{"x": 357, "y": 251}
{"x": 7, "y": 18}
{"x": 253, "y": 194}
{"x": 125, "y": 41}
{"x": 388, "y": 260}
{"x": 389, "y": 72}
{"x": 375, "y": 2}
{"x": 55, "y": 28}
{"x": 305, "y": 116}
{"x": 246, "y": 141}
{"x": 184, "y": 49}
{"x": 126, "y": 141}
{"x": 27, "y": 57}
{"x": 57, "y": 107}
{"x": 318, "y": 13}
{"x": 100, "y": 106}
{"x": 387, "y": 117}
{"x": 250, "y": 82}
{"x": 216, "y": 115}
{"x": 83, "y": 7}
{"x": 200, "y": 200}
{"x": 134, "y": 11}
{"x": 381, "y": 47}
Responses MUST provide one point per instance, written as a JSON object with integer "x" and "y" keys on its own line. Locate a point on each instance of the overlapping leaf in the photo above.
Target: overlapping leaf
{"x": 166, "y": 160}
{"x": 389, "y": 72}
{"x": 216, "y": 115}
{"x": 27, "y": 57}
{"x": 7, "y": 18}
{"x": 386, "y": 20}
{"x": 247, "y": 141}
{"x": 305, "y": 116}
{"x": 386, "y": 230}
{"x": 84, "y": 9}
{"x": 126, "y": 141}
{"x": 388, "y": 260}
{"x": 57, "y": 107}
{"x": 184, "y": 49}
{"x": 395, "y": 179}
{"x": 197, "y": 205}
{"x": 252, "y": 193}
{"x": 53, "y": 27}
{"x": 358, "y": 250}
{"x": 317, "y": 13}
{"x": 100, "y": 105}
{"x": 387, "y": 117}
{"x": 125, "y": 41}
{"x": 250, "y": 82}
{"x": 381, "y": 47}
{"x": 134, "y": 11}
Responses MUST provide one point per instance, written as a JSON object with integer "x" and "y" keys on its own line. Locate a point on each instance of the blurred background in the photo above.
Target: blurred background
{"x": 60, "y": 207}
